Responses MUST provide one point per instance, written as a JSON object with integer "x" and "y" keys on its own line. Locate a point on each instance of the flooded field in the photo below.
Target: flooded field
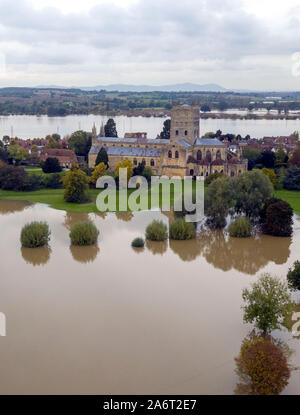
{"x": 114, "y": 320}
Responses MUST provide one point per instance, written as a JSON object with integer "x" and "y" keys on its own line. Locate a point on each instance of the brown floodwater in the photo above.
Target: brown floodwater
{"x": 111, "y": 319}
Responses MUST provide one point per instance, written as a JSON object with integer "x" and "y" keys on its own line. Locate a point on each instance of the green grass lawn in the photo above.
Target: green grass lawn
{"x": 54, "y": 198}
{"x": 292, "y": 197}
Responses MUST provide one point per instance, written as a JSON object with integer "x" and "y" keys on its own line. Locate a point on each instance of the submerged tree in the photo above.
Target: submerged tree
{"x": 267, "y": 304}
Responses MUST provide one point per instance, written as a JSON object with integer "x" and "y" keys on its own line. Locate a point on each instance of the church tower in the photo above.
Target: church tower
{"x": 94, "y": 134}
{"x": 102, "y": 131}
{"x": 185, "y": 123}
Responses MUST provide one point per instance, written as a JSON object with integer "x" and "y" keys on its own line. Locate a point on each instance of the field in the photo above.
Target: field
{"x": 292, "y": 197}
{"x": 54, "y": 198}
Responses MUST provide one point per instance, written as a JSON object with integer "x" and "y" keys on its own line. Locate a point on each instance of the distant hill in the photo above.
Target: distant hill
{"x": 185, "y": 87}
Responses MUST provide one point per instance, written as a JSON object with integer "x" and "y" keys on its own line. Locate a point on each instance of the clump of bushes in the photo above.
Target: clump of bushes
{"x": 52, "y": 181}
{"x": 181, "y": 230}
{"x": 265, "y": 365}
{"x": 84, "y": 233}
{"x": 35, "y": 235}
{"x": 138, "y": 243}
{"x": 293, "y": 276}
{"x": 157, "y": 231}
{"x": 51, "y": 165}
{"x": 240, "y": 228}
{"x": 276, "y": 218}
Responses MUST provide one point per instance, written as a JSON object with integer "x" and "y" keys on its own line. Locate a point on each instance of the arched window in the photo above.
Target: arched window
{"x": 170, "y": 154}
{"x": 186, "y": 132}
{"x": 152, "y": 162}
{"x": 199, "y": 155}
{"x": 191, "y": 172}
{"x": 135, "y": 162}
{"x": 177, "y": 132}
{"x": 176, "y": 155}
{"x": 208, "y": 156}
{"x": 232, "y": 173}
{"x": 218, "y": 155}
{"x": 144, "y": 162}
{"x": 202, "y": 173}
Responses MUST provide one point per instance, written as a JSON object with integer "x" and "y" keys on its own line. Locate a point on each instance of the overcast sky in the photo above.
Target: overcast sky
{"x": 235, "y": 43}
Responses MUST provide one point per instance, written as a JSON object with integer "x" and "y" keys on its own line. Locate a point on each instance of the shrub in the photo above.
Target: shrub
{"x": 51, "y": 165}
{"x": 138, "y": 243}
{"x": 265, "y": 365}
{"x": 99, "y": 171}
{"x": 31, "y": 183}
{"x": 84, "y": 233}
{"x": 181, "y": 230}
{"x": 35, "y": 235}
{"x": 276, "y": 218}
{"x": 240, "y": 228}
{"x": 293, "y": 276}
{"x": 12, "y": 178}
{"x": 272, "y": 176}
{"x": 76, "y": 186}
{"x": 52, "y": 181}
{"x": 157, "y": 231}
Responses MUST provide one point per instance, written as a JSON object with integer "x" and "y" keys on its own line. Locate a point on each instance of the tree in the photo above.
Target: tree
{"x": 17, "y": 153}
{"x": 12, "y": 178}
{"x": 292, "y": 179}
{"x": 76, "y": 186}
{"x": 52, "y": 142}
{"x": 218, "y": 201}
{"x": 277, "y": 218}
{"x": 80, "y": 141}
{"x": 271, "y": 175}
{"x": 165, "y": 134}
{"x": 293, "y": 276}
{"x": 263, "y": 365}
{"x": 268, "y": 159}
{"x": 281, "y": 158}
{"x": 267, "y": 304}
{"x": 99, "y": 171}
{"x": 252, "y": 155}
{"x": 222, "y": 105}
{"x": 147, "y": 173}
{"x": 205, "y": 108}
{"x": 102, "y": 157}
{"x": 209, "y": 134}
{"x": 110, "y": 128}
{"x": 124, "y": 164}
{"x": 251, "y": 190}
{"x": 295, "y": 157}
{"x": 139, "y": 170}
{"x": 51, "y": 165}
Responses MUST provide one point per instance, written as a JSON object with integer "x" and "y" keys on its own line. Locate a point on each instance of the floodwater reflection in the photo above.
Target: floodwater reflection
{"x": 72, "y": 218}
{"x": 12, "y": 206}
{"x": 84, "y": 254}
{"x": 157, "y": 248}
{"x": 36, "y": 256}
{"x": 247, "y": 255}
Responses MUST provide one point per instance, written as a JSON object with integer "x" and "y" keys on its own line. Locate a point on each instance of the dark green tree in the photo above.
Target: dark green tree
{"x": 110, "y": 128}
{"x": 102, "y": 157}
{"x": 165, "y": 134}
{"x": 277, "y": 218}
{"x": 292, "y": 179}
{"x": 51, "y": 165}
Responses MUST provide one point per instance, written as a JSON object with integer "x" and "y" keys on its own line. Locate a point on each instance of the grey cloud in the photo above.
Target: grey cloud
{"x": 148, "y": 31}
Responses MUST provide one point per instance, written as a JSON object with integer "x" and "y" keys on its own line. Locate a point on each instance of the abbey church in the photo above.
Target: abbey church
{"x": 185, "y": 154}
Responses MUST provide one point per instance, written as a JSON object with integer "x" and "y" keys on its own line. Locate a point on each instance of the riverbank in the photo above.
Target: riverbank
{"x": 54, "y": 198}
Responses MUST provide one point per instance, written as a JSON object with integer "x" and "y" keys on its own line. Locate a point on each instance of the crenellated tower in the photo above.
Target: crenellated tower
{"x": 185, "y": 123}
